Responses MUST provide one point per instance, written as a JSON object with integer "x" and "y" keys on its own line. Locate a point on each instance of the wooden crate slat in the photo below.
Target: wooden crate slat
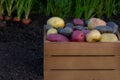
{"x": 80, "y": 63}
{"x": 82, "y": 75}
{"x": 79, "y": 48}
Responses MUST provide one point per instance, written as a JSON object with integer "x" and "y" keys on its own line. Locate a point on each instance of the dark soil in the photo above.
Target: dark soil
{"x": 21, "y": 49}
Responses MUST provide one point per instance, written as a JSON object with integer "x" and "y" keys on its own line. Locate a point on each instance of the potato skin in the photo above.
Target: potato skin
{"x": 104, "y": 29}
{"x": 93, "y": 36}
{"x": 57, "y": 38}
{"x": 78, "y": 36}
{"x": 78, "y": 22}
{"x": 51, "y": 31}
{"x": 108, "y": 37}
{"x": 93, "y": 22}
{"x": 56, "y": 22}
{"x": 114, "y": 26}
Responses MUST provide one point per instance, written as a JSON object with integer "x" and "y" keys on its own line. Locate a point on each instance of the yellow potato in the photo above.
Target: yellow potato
{"x": 94, "y": 22}
{"x": 108, "y": 37}
{"x": 56, "y": 22}
{"x": 51, "y": 31}
{"x": 93, "y": 36}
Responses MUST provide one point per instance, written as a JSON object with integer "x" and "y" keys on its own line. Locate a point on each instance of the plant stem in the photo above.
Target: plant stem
{"x": 10, "y": 7}
{"x": 27, "y": 7}
{"x": 79, "y": 8}
{"x": 59, "y": 8}
{"x": 19, "y": 8}
{"x": 1, "y": 7}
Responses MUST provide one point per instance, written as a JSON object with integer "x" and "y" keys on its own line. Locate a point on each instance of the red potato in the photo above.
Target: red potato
{"x": 57, "y": 38}
{"x": 78, "y": 36}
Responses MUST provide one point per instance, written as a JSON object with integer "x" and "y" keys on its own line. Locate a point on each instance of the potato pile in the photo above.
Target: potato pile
{"x": 93, "y": 30}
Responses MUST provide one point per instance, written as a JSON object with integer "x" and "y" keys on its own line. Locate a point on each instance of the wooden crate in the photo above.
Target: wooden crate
{"x": 81, "y": 61}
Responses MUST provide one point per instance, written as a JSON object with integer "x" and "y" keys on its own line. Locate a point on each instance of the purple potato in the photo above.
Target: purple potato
{"x": 114, "y": 26}
{"x": 85, "y": 31}
{"x": 78, "y": 22}
{"x": 104, "y": 29}
{"x": 79, "y": 28}
{"x": 71, "y": 25}
{"x": 67, "y": 31}
{"x": 59, "y": 29}
{"x": 86, "y": 22}
{"x": 57, "y": 38}
{"x": 47, "y": 27}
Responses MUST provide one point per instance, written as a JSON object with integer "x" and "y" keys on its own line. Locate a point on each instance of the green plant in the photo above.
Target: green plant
{"x": 60, "y": 8}
{"x": 78, "y": 8}
{"x": 110, "y": 7}
{"x": 27, "y": 7}
{"x": 9, "y": 6}
{"x": 117, "y": 7}
{"x": 100, "y": 9}
{"x": 19, "y": 8}
{"x": 39, "y": 6}
{"x": 90, "y": 8}
{"x": 1, "y": 7}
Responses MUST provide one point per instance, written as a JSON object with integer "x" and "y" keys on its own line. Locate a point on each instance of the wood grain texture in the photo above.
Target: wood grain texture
{"x": 81, "y": 61}
{"x": 79, "y": 48}
{"x": 82, "y": 75}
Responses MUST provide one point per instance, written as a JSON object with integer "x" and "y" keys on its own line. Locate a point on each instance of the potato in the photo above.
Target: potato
{"x": 57, "y": 38}
{"x": 78, "y": 21}
{"x": 93, "y": 22}
{"x": 104, "y": 29}
{"x": 114, "y": 26}
{"x": 67, "y": 31}
{"x": 108, "y": 37}
{"x": 85, "y": 31}
{"x": 56, "y": 22}
{"x": 93, "y": 36}
{"x": 51, "y": 31}
{"x": 79, "y": 28}
{"x": 47, "y": 27}
{"x": 78, "y": 36}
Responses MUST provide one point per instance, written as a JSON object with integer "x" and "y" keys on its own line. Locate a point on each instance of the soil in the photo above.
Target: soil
{"x": 21, "y": 48}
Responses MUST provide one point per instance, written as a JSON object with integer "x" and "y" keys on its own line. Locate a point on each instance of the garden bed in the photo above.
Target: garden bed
{"x": 21, "y": 46}
{"x": 21, "y": 49}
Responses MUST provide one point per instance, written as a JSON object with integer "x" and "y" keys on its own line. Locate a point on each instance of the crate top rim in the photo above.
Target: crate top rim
{"x": 82, "y": 42}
